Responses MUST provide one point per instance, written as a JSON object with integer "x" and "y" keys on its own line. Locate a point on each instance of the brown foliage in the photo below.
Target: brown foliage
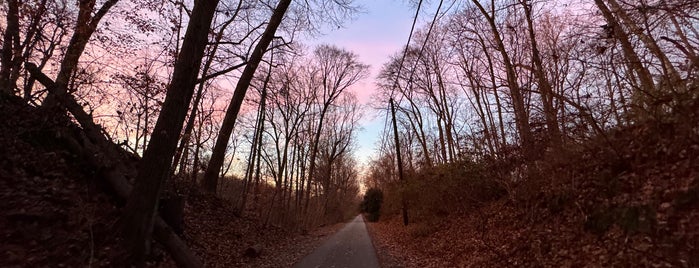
{"x": 55, "y": 211}
{"x": 629, "y": 197}
{"x": 222, "y": 239}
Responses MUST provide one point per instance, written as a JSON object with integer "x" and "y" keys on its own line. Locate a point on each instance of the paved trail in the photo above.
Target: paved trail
{"x": 350, "y": 247}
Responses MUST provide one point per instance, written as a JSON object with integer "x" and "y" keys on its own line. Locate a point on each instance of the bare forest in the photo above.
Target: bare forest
{"x": 214, "y": 134}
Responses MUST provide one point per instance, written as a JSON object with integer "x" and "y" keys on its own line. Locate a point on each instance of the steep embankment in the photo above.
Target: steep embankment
{"x": 50, "y": 212}
{"x": 56, "y": 211}
{"x": 630, "y": 198}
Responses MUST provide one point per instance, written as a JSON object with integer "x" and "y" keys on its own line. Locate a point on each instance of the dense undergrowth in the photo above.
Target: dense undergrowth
{"x": 628, "y": 197}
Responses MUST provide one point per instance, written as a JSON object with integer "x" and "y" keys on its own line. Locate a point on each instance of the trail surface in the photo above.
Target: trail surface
{"x": 350, "y": 247}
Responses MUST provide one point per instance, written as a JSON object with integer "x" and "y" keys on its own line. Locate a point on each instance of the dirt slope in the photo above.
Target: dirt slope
{"x": 54, "y": 212}
{"x": 630, "y": 199}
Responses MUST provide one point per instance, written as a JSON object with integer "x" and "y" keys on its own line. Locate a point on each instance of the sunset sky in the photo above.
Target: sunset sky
{"x": 381, "y": 30}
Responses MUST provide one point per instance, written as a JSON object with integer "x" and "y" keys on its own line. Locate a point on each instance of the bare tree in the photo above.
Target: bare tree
{"x": 521, "y": 116}
{"x": 543, "y": 84}
{"x": 218, "y": 154}
{"x": 140, "y": 211}
{"x": 334, "y": 71}
{"x": 84, "y": 28}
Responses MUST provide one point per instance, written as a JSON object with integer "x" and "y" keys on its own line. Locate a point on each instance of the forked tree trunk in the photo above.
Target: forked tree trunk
{"x": 141, "y": 208}
{"x": 85, "y": 27}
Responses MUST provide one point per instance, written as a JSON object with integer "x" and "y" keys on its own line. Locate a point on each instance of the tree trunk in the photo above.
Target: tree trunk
{"x": 314, "y": 153}
{"x": 85, "y": 26}
{"x": 11, "y": 33}
{"x": 219, "y": 151}
{"x": 521, "y": 116}
{"x": 650, "y": 43}
{"x": 106, "y": 156}
{"x": 404, "y": 203}
{"x": 200, "y": 90}
{"x": 632, "y": 58}
{"x": 256, "y": 143}
{"x": 140, "y": 211}
{"x": 550, "y": 114}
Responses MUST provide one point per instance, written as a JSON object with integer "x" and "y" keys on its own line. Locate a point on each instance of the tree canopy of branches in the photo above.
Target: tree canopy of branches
{"x": 513, "y": 80}
{"x": 146, "y": 79}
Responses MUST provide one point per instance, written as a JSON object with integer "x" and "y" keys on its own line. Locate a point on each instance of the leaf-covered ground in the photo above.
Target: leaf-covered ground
{"x": 54, "y": 212}
{"x": 221, "y": 238}
{"x": 634, "y": 203}
{"x": 50, "y": 213}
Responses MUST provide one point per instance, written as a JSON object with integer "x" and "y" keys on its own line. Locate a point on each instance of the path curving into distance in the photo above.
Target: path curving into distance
{"x": 349, "y": 248}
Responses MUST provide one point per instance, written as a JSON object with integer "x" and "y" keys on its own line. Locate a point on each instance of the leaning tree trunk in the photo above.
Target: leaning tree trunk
{"x": 189, "y": 127}
{"x": 140, "y": 211}
{"x": 633, "y": 61}
{"x": 219, "y": 152}
{"x": 521, "y": 115}
{"x": 108, "y": 157}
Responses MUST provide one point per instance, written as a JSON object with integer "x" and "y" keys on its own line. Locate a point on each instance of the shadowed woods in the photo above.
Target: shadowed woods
{"x": 147, "y": 129}
{"x": 521, "y": 133}
{"x": 542, "y": 133}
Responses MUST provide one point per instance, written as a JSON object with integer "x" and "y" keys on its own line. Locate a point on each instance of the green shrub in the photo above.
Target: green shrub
{"x": 372, "y": 204}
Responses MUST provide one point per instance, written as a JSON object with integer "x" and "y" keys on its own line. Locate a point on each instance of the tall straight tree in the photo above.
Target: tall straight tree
{"x": 337, "y": 70}
{"x": 544, "y": 85}
{"x": 518, "y": 105}
{"x": 257, "y": 138}
{"x": 10, "y": 37}
{"x": 219, "y": 151}
{"x": 401, "y": 177}
{"x": 139, "y": 214}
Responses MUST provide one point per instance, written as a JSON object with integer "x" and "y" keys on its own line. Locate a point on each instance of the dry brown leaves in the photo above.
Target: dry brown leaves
{"x": 220, "y": 238}
{"x": 51, "y": 214}
{"x": 657, "y": 173}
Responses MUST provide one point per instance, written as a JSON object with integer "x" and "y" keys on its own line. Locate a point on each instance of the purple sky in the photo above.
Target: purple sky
{"x": 381, "y": 30}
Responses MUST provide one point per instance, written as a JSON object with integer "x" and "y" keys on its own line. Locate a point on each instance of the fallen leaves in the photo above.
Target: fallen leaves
{"x": 54, "y": 212}
{"x": 221, "y": 238}
{"x": 644, "y": 206}
{"x": 51, "y": 214}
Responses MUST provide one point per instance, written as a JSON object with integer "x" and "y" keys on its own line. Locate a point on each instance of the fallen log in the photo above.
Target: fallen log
{"x": 116, "y": 167}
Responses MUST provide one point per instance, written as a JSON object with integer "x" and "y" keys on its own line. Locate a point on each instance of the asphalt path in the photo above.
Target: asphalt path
{"x": 349, "y": 248}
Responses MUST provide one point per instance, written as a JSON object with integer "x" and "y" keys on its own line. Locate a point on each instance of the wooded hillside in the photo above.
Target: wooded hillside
{"x": 543, "y": 133}
{"x": 206, "y": 133}
{"x": 145, "y": 138}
